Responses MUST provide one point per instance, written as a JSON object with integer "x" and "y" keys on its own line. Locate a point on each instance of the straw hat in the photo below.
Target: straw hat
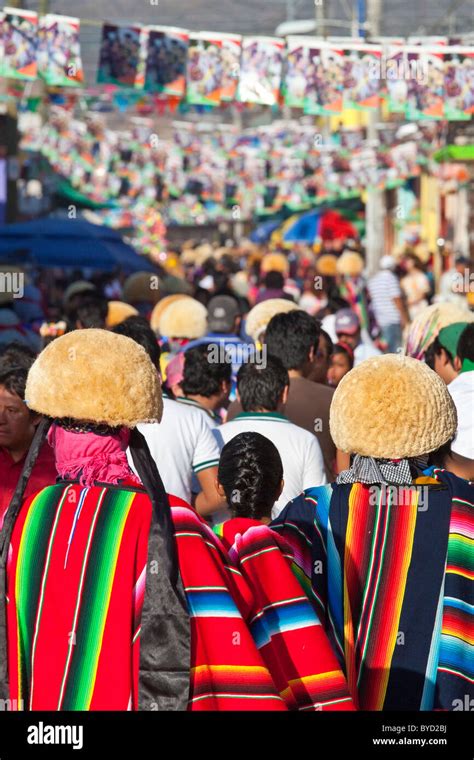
{"x": 119, "y": 311}
{"x": 142, "y": 286}
{"x": 95, "y": 376}
{"x": 186, "y": 318}
{"x": 391, "y": 407}
{"x": 161, "y": 307}
{"x": 350, "y": 264}
{"x": 274, "y": 262}
{"x": 427, "y": 324}
{"x": 326, "y": 265}
{"x": 261, "y": 314}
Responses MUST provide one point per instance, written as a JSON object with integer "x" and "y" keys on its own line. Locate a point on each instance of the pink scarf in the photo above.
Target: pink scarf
{"x": 91, "y": 457}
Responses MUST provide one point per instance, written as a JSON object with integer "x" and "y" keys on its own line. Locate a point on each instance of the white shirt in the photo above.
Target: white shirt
{"x": 364, "y": 351}
{"x": 300, "y": 453}
{"x": 181, "y": 444}
{"x": 383, "y": 288}
{"x": 462, "y": 393}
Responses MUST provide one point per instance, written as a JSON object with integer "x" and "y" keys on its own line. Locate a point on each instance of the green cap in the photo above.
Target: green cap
{"x": 449, "y": 336}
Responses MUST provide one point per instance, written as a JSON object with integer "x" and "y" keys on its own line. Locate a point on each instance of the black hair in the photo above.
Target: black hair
{"x": 290, "y": 337}
{"x": 274, "y": 280}
{"x": 328, "y": 341}
{"x": 16, "y": 354}
{"x": 138, "y": 329}
{"x": 260, "y": 386}
{"x": 13, "y": 380}
{"x": 91, "y": 311}
{"x": 466, "y": 343}
{"x": 250, "y": 472}
{"x": 433, "y": 350}
{"x": 202, "y": 375}
{"x": 439, "y": 457}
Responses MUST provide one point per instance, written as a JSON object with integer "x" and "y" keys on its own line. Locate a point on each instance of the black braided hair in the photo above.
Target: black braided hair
{"x": 250, "y": 472}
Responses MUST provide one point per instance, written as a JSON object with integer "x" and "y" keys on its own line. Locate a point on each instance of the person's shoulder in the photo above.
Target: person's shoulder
{"x": 301, "y": 388}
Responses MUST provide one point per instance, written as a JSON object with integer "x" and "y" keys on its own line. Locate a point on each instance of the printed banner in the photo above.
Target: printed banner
{"x": 260, "y": 75}
{"x": 296, "y": 72}
{"x": 204, "y": 69}
{"x": 397, "y": 73}
{"x": 230, "y": 51}
{"x": 426, "y": 84}
{"x": 324, "y": 80}
{"x": 459, "y": 84}
{"x": 119, "y": 55}
{"x": 362, "y": 76}
{"x": 19, "y": 36}
{"x": 59, "y": 52}
{"x": 165, "y": 69}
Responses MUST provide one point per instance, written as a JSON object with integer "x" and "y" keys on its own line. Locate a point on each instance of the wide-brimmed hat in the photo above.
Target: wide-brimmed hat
{"x": 161, "y": 307}
{"x": 95, "y": 376}
{"x": 185, "y": 318}
{"x": 275, "y": 262}
{"x": 142, "y": 287}
{"x": 119, "y": 311}
{"x": 391, "y": 407}
{"x": 326, "y": 265}
{"x": 261, "y": 314}
{"x": 350, "y": 264}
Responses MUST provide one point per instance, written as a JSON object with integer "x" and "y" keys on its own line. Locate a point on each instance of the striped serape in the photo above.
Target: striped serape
{"x": 75, "y": 586}
{"x": 396, "y": 586}
{"x": 284, "y": 624}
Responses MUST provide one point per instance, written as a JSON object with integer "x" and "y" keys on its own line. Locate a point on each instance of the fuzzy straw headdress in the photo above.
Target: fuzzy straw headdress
{"x": 261, "y": 314}
{"x": 99, "y": 377}
{"x": 391, "y": 407}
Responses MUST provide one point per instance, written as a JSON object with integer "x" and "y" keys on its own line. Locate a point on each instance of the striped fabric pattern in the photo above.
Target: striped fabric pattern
{"x": 284, "y": 625}
{"x": 397, "y": 587}
{"x": 76, "y": 580}
{"x": 456, "y": 659}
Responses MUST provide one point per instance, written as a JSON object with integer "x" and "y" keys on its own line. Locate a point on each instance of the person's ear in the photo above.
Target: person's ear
{"x": 280, "y": 489}
{"x": 219, "y": 488}
{"x": 311, "y": 354}
{"x": 284, "y": 395}
{"x": 457, "y": 364}
{"x": 237, "y": 396}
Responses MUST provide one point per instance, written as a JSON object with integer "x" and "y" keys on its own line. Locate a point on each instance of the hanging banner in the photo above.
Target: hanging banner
{"x": 19, "y": 36}
{"x": 325, "y": 79}
{"x": 119, "y": 55}
{"x": 459, "y": 83}
{"x": 204, "y": 69}
{"x": 59, "y": 52}
{"x": 165, "y": 69}
{"x": 425, "y": 98}
{"x": 260, "y": 75}
{"x": 362, "y": 76}
{"x": 297, "y": 65}
{"x": 397, "y": 73}
{"x": 231, "y": 50}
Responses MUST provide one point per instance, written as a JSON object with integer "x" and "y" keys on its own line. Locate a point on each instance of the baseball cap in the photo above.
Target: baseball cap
{"x": 387, "y": 262}
{"x": 449, "y": 336}
{"x": 347, "y": 322}
{"x": 222, "y": 311}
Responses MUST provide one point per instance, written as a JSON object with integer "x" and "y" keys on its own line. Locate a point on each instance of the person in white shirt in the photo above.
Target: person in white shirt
{"x": 206, "y": 382}
{"x": 262, "y": 390}
{"x": 462, "y": 393}
{"x": 182, "y": 445}
{"x": 387, "y": 303}
{"x": 348, "y": 331}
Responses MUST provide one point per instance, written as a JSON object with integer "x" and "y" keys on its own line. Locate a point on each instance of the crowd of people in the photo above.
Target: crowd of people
{"x": 243, "y": 482}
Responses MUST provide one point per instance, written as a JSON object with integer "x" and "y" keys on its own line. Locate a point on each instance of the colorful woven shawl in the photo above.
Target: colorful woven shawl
{"x": 284, "y": 625}
{"x": 75, "y": 587}
{"x": 396, "y": 585}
